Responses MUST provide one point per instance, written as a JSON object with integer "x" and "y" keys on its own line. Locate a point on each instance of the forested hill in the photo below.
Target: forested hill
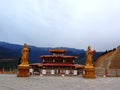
{"x": 13, "y": 51}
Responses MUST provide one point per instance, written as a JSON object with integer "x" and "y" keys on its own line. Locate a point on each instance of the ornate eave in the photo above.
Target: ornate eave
{"x": 58, "y": 56}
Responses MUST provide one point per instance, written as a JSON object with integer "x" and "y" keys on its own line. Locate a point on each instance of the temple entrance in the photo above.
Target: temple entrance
{"x": 80, "y": 71}
{"x": 57, "y": 70}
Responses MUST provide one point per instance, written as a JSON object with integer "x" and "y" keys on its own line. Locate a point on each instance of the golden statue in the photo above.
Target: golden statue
{"x": 25, "y": 52}
{"x": 89, "y": 55}
{"x": 23, "y": 68}
{"x": 89, "y": 68}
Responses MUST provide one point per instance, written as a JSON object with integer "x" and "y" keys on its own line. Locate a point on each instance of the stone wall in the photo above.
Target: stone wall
{"x": 107, "y": 72}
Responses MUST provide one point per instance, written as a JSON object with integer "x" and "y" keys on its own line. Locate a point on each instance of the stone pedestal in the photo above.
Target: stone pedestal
{"x": 23, "y": 71}
{"x": 89, "y": 72}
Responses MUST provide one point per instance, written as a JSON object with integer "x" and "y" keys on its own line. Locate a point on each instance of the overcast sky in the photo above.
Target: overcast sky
{"x": 61, "y": 23}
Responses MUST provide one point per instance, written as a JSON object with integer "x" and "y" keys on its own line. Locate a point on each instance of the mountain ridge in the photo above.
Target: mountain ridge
{"x": 10, "y": 54}
{"x": 35, "y": 53}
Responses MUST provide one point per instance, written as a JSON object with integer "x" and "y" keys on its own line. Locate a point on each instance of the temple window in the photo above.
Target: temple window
{"x": 43, "y": 60}
{"x": 53, "y": 60}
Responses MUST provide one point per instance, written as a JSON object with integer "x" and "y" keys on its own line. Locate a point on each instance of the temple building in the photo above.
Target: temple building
{"x": 58, "y": 64}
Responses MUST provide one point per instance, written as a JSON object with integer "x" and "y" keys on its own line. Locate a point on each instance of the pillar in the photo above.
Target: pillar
{"x": 89, "y": 72}
{"x": 23, "y": 71}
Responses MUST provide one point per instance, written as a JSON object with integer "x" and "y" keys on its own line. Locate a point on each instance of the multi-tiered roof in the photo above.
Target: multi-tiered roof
{"x": 58, "y": 58}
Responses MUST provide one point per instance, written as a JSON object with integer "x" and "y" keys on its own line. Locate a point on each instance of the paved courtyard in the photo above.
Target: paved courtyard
{"x": 11, "y": 82}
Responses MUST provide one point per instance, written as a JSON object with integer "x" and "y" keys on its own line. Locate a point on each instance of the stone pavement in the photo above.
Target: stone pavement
{"x": 11, "y": 82}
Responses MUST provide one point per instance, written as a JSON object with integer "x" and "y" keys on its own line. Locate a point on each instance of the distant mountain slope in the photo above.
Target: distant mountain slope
{"x": 8, "y": 50}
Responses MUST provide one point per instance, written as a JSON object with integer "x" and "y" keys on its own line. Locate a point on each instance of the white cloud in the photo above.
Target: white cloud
{"x": 77, "y": 23}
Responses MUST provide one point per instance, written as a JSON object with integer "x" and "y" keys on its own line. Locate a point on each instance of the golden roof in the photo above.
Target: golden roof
{"x": 56, "y": 51}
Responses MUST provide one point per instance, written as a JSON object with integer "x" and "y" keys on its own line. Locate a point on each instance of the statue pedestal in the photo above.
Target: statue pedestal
{"x": 89, "y": 72}
{"x": 23, "y": 71}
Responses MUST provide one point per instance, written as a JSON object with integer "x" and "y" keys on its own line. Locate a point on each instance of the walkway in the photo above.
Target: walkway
{"x": 11, "y": 82}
